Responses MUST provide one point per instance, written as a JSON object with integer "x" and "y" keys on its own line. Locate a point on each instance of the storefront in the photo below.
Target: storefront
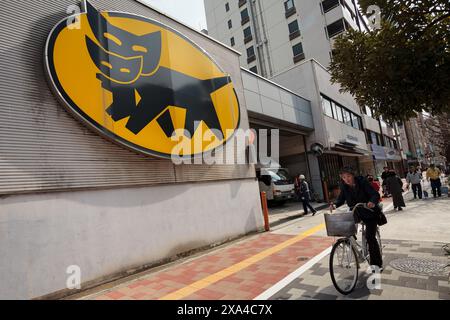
{"x": 330, "y": 165}
{"x": 81, "y": 185}
{"x": 387, "y": 157}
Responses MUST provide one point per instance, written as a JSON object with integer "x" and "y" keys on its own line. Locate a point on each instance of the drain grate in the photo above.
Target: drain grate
{"x": 418, "y": 266}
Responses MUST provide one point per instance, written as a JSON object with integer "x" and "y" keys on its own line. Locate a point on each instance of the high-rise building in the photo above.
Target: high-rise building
{"x": 275, "y": 35}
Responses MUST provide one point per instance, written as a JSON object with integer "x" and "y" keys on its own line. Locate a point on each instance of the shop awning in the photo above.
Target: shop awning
{"x": 346, "y": 150}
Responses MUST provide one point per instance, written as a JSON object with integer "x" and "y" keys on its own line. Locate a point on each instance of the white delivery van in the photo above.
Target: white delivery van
{"x": 276, "y": 183}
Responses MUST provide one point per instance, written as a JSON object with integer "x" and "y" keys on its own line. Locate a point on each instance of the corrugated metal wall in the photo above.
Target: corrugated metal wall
{"x": 42, "y": 147}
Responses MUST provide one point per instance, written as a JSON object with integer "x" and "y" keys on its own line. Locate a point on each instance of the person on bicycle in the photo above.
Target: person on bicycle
{"x": 355, "y": 190}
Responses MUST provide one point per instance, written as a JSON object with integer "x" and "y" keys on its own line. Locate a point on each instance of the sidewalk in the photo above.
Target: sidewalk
{"x": 239, "y": 271}
{"x": 416, "y": 265}
{"x": 289, "y": 211}
{"x": 249, "y": 267}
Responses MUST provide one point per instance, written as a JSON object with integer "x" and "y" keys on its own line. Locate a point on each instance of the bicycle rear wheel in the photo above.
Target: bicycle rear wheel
{"x": 344, "y": 266}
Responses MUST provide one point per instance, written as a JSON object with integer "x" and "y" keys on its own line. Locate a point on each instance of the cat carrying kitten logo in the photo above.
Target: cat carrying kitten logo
{"x": 140, "y": 83}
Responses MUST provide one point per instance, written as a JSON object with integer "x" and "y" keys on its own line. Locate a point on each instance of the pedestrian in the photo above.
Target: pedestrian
{"x": 414, "y": 179}
{"x": 384, "y": 176}
{"x": 374, "y": 182}
{"x": 395, "y": 185}
{"x": 355, "y": 190}
{"x": 305, "y": 195}
{"x": 434, "y": 176}
{"x": 297, "y": 187}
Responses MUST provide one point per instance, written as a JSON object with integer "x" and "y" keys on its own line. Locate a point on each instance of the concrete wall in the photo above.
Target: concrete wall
{"x": 110, "y": 231}
{"x": 268, "y": 98}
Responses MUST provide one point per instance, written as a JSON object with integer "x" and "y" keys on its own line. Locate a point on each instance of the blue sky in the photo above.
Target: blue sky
{"x": 190, "y": 12}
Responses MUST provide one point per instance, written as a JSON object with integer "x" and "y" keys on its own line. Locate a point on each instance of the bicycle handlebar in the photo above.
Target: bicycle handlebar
{"x": 360, "y": 204}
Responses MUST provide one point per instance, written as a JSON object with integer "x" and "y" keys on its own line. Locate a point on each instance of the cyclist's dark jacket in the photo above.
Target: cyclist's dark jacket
{"x": 362, "y": 192}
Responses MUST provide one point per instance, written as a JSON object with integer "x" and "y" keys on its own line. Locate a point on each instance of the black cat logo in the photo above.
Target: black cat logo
{"x": 143, "y": 88}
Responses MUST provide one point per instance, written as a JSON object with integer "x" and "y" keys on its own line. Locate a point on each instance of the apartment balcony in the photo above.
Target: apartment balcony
{"x": 248, "y": 39}
{"x": 242, "y": 2}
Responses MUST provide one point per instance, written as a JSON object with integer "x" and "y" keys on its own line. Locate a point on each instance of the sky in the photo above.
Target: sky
{"x": 190, "y": 12}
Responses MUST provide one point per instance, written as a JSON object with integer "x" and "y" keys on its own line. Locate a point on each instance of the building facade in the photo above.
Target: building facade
{"x": 338, "y": 124}
{"x": 291, "y": 43}
{"x": 274, "y": 35}
{"x": 428, "y": 137}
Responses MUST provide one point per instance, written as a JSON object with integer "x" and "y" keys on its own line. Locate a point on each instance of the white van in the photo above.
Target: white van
{"x": 276, "y": 183}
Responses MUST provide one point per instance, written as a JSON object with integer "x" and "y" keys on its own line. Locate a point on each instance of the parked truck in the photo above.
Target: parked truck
{"x": 276, "y": 183}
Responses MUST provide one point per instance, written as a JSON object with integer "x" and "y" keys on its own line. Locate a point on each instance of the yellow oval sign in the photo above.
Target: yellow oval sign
{"x": 140, "y": 83}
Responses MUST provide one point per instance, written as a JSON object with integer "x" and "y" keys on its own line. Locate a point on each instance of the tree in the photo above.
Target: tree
{"x": 404, "y": 66}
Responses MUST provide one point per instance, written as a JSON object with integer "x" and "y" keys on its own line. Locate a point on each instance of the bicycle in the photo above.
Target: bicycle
{"x": 347, "y": 254}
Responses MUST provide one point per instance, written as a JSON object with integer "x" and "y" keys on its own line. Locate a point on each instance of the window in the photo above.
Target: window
{"x": 247, "y": 34}
{"x": 244, "y": 16}
{"x": 368, "y": 137}
{"x": 251, "y": 54}
{"x": 337, "y": 110}
{"x": 289, "y": 5}
{"x": 297, "y": 49}
{"x": 361, "y": 127}
{"x": 250, "y": 51}
{"x": 387, "y": 141}
{"x": 327, "y": 108}
{"x": 227, "y": 7}
{"x": 336, "y": 28}
{"x": 391, "y": 143}
{"x": 242, "y": 2}
{"x": 373, "y": 138}
{"x": 347, "y": 117}
{"x": 328, "y": 5}
{"x": 299, "y": 55}
{"x": 340, "y": 113}
{"x": 230, "y": 25}
{"x": 368, "y": 111}
{"x": 355, "y": 123}
{"x": 394, "y": 143}
{"x": 289, "y": 8}
{"x": 254, "y": 69}
{"x": 232, "y": 41}
{"x": 293, "y": 27}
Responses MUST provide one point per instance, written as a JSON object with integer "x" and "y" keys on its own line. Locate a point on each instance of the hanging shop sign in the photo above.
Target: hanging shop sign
{"x": 140, "y": 83}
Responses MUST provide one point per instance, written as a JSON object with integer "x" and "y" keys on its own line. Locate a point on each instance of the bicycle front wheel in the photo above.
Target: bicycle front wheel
{"x": 378, "y": 237}
{"x": 344, "y": 266}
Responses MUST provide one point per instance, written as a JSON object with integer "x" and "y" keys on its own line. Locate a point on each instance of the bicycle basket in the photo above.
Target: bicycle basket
{"x": 340, "y": 224}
